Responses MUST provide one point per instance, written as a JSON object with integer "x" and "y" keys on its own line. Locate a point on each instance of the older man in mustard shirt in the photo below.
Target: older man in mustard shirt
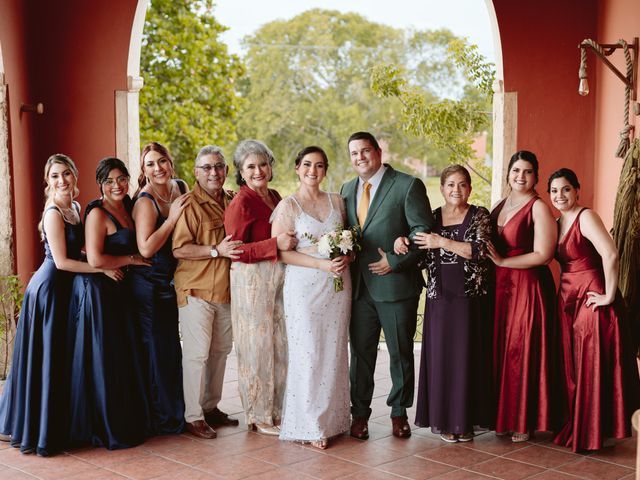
{"x": 202, "y": 287}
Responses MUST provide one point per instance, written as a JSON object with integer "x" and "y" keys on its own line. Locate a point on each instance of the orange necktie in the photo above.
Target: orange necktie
{"x": 363, "y": 208}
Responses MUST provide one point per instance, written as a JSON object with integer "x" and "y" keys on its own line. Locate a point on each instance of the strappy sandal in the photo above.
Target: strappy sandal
{"x": 519, "y": 437}
{"x": 466, "y": 437}
{"x": 321, "y": 444}
{"x": 449, "y": 437}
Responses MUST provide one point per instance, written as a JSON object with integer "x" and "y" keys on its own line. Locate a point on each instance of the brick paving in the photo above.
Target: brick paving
{"x": 237, "y": 454}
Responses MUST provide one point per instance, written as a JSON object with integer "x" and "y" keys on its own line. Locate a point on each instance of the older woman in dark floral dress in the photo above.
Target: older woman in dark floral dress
{"x": 455, "y": 366}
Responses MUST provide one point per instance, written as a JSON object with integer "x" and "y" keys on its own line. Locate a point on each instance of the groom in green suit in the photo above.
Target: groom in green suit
{"x": 387, "y": 204}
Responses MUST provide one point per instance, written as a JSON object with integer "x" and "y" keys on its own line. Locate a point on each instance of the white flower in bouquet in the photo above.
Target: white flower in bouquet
{"x": 324, "y": 245}
{"x": 346, "y": 242}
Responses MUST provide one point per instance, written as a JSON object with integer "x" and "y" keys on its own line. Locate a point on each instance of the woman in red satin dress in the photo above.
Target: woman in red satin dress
{"x": 524, "y": 318}
{"x": 600, "y": 378}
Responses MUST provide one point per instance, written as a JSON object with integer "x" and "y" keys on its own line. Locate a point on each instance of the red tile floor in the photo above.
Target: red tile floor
{"x": 237, "y": 454}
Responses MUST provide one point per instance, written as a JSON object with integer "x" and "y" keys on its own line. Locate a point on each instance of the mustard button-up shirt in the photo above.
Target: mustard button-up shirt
{"x": 201, "y": 223}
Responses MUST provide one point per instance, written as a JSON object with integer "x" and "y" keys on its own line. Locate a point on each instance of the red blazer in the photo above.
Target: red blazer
{"x": 247, "y": 219}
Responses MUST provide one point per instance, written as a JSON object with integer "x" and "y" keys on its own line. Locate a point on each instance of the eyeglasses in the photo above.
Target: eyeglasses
{"x": 207, "y": 168}
{"x": 121, "y": 180}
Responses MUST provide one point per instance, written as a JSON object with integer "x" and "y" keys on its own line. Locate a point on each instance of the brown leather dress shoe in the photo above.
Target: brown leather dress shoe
{"x": 359, "y": 428}
{"x": 201, "y": 429}
{"x": 401, "y": 428}
{"x": 218, "y": 418}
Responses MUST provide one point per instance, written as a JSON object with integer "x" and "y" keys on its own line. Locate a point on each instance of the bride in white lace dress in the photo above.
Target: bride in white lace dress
{"x": 316, "y": 404}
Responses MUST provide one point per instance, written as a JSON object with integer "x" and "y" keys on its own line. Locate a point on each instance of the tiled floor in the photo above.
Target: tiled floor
{"x": 237, "y": 454}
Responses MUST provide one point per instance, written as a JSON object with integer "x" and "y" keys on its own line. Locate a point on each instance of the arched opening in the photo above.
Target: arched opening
{"x": 504, "y": 116}
{"x": 128, "y": 123}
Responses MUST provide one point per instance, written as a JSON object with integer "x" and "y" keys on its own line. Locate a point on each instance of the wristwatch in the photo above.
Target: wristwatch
{"x": 214, "y": 252}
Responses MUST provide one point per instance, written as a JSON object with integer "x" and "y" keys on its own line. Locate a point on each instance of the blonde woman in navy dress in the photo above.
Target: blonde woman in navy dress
{"x": 33, "y": 403}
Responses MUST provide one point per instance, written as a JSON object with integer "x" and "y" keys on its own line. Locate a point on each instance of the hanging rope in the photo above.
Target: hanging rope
{"x": 625, "y": 141}
{"x": 624, "y": 133}
{"x": 582, "y": 73}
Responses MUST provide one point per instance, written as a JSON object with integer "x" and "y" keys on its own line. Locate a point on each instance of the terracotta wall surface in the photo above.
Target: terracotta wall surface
{"x": 616, "y": 19}
{"x": 539, "y": 41}
{"x": 72, "y": 56}
{"x": 21, "y": 132}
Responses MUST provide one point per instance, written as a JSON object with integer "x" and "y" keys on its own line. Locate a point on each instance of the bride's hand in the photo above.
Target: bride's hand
{"x": 339, "y": 264}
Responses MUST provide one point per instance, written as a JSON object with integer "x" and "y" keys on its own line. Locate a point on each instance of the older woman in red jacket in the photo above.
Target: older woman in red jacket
{"x": 257, "y": 313}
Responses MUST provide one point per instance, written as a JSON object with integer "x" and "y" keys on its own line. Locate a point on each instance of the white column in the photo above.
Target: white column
{"x": 128, "y": 128}
{"x": 505, "y": 121}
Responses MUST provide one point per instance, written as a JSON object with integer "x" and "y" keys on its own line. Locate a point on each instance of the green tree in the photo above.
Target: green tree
{"x": 308, "y": 82}
{"x": 189, "y": 98}
{"x": 449, "y": 124}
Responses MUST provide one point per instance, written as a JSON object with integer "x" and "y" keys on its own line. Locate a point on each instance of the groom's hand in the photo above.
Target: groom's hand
{"x": 381, "y": 267}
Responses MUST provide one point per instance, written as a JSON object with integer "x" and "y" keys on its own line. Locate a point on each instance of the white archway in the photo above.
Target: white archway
{"x": 127, "y": 101}
{"x": 6, "y": 220}
{"x": 505, "y": 116}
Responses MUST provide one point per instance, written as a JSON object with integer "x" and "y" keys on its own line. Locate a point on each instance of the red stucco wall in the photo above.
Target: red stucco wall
{"x": 616, "y": 19}
{"x": 72, "y": 56}
{"x": 539, "y": 41}
{"x": 16, "y": 68}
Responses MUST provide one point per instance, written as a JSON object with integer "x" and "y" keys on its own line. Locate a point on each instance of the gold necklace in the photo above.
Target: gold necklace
{"x": 511, "y": 206}
{"x": 159, "y": 196}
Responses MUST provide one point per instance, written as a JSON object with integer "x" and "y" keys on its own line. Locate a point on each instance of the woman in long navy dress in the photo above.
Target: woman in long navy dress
{"x": 33, "y": 403}
{"x": 600, "y": 374}
{"x": 158, "y": 205}
{"x": 107, "y": 403}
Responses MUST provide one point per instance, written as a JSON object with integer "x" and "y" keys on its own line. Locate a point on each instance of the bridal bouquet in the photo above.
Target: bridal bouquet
{"x": 337, "y": 243}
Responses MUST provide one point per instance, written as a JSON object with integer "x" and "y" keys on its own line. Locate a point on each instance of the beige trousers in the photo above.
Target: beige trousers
{"x": 206, "y": 343}
{"x": 260, "y": 338}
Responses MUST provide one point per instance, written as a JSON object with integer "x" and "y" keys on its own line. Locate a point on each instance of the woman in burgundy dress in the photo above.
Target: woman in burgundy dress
{"x": 524, "y": 319}
{"x": 600, "y": 378}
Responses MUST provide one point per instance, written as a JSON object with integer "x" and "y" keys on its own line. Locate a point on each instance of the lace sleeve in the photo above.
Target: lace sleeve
{"x": 285, "y": 214}
{"x": 338, "y": 204}
{"x": 479, "y": 234}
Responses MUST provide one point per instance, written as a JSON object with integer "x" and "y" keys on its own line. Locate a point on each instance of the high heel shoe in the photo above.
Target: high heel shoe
{"x": 264, "y": 429}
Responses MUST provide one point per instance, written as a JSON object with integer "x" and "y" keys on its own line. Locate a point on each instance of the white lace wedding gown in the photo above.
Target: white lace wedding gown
{"x": 316, "y": 403}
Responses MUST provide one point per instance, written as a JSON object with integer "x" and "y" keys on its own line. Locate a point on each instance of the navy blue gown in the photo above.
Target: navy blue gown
{"x": 33, "y": 406}
{"x": 156, "y": 315}
{"x": 107, "y": 404}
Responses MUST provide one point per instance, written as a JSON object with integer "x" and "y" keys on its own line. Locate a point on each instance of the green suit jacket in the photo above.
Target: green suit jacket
{"x": 400, "y": 207}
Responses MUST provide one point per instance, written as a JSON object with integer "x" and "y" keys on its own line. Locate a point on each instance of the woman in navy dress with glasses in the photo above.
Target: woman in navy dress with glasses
{"x": 107, "y": 402}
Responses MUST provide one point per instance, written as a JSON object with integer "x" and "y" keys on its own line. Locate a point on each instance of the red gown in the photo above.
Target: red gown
{"x": 600, "y": 375}
{"x": 524, "y": 331}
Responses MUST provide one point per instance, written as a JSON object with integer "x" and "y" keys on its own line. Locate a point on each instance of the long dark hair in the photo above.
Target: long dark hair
{"x": 104, "y": 169}
{"x": 567, "y": 173}
{"x": 527, "y": 156}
